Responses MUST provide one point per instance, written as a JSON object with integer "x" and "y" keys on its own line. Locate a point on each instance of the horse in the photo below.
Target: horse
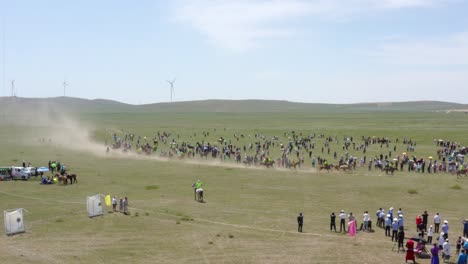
{"x": 389, "y": 169}
{"x": 462, "y": 172}
{"x": 268, "y": 164}
{"x": 72, "y": 178}
{"x": 62, "y": 179}
{"x": 345, "y": 167}
{"x": 325, "y": 167}
{"x": 294, "y": 164}
{"x": 199, "y": 193}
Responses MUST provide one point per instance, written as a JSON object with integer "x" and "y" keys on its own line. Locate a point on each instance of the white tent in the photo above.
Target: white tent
{"x": 94, "y": 205}
{"x": 13, "y": 221}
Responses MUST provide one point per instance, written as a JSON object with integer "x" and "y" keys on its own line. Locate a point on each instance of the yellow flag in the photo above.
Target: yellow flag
{"x": 108, "y": 200}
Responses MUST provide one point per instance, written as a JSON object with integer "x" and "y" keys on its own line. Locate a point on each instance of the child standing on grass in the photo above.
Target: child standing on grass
{"x": 121, "y": 205}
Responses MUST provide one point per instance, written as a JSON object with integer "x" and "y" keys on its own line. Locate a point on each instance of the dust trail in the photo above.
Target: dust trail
{"x": 54, "y": 127}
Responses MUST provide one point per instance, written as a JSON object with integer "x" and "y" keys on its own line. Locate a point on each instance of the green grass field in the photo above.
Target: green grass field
{"x": 250, "y": 213}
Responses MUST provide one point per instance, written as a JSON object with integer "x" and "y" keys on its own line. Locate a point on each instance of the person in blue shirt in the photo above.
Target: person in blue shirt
{"x": 445, "y": 229}
{"x": 395, "y": 229}
{"x": 401, "y": 222}
{"x": 462, "y": 258}
{"x": 388, "y": 224}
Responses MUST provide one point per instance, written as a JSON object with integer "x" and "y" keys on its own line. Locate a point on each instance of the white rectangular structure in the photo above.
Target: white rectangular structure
{"x": 94, "y": 205}
{"x": 13, "y": 221}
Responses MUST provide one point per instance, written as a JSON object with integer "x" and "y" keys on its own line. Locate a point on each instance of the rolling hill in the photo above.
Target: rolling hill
{"x": 12, "y": 105}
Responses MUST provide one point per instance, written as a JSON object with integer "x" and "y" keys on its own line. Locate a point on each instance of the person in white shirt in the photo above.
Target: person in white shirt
{"x": 114, "y": 204}
{"x": 430, "y": 233}
{"x": 446, "y": 249}
{"x": 366, "y": 220}
{"x": 441, "y": 241}
{"x": 342, "y": 221}
{"x": 436, "y": 222}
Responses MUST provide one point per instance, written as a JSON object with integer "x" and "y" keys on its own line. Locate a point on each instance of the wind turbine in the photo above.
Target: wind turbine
{"x": 172, "y": 87}
{"x": 13, "y": 89}
{"x": 64, "y": 84}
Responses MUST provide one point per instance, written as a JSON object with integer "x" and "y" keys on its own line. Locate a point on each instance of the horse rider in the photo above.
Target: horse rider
{"x": 197, "y": 185}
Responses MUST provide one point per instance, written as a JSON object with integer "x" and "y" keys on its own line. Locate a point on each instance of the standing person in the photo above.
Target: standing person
{"x": 366, "y": 220}
{"x": 435, "y": 254}
{"x": 430, "y": 233}
{"x": 418, "y": 223}
{"x": 436, "y": 222}
{"x": 388, "y": 224}
{"x": 446, "y": 249}
{"x": 125, "y": 206}
{"x": 390, "y": 212}
{"x": 382, "y": 218}
{"x": 395, "y": 230}
{"x": 352, "y": 225}
{"x": 300, "y": 221}
{"x": 332, "y": 221}
{"x": 425, "y": 216}
{"x": 121, "y": 205}
{"x": 465, "y": 228}
{"x": 377, "y": 214}
{"x": 441, "y": 240}
{"x": 459, "y": 245}
{"x": 462, "y": 258}
{"x": 351, "y": 218}
{"x": 445, "y": 229}
{"x": 401, "y": 239}
{"x": 342, "y": 221}
{"x": 114, "y": 204}
{"x": 24, "y": 164}
{"x": 401, "y": 222}
{"x": 410, "y": 251}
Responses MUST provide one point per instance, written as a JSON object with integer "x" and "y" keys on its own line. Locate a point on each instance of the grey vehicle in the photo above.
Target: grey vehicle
{"x": 19, "y": 173}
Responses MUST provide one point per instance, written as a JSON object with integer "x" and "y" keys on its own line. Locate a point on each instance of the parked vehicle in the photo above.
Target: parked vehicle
{"x": 5, "y": 173}
{"x": 19, "y": 173}
{"x": 31, "y": 170}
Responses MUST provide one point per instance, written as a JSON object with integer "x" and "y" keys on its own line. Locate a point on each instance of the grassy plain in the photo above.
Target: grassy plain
{"x": 249, "y": 214}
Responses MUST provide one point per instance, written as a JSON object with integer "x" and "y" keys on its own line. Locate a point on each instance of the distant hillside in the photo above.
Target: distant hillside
{"x": 78, "y": 105}
{"x": 286, "y": 106}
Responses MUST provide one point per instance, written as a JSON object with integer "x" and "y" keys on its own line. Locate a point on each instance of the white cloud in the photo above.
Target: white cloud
{"x": 241, "y": 24}
{"x": 442, "y": 51}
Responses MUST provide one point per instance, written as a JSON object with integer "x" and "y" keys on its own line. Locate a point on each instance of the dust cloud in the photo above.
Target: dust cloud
{"x": 52, "y": 126}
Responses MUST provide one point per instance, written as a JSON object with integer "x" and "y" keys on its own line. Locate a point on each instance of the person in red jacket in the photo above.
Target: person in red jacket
{"x": 410, "y": 251}
{"x": 418, "y": 223}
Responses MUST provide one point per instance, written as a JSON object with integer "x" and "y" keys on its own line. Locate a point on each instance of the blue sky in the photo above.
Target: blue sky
{"x": 330, "y": 51}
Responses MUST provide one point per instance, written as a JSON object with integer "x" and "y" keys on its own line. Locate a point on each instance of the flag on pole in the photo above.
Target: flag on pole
{"x": 108, "y": 200}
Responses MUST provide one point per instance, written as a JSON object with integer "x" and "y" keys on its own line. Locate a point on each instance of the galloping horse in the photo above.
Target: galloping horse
{"x": 345, "y": 167}
{"x": 268, "y": 164}
{"x": 325, "y": 167}
{"x": 462, "y": 172}
{"x": 199, "y": 192}
{"x": 294, "y": 164}
{"x": 389, "y": 169}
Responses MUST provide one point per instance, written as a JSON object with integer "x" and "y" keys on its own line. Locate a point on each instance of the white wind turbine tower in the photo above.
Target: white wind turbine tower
{"x": 64, "y": 84}
{"x": 172, "y": 87}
